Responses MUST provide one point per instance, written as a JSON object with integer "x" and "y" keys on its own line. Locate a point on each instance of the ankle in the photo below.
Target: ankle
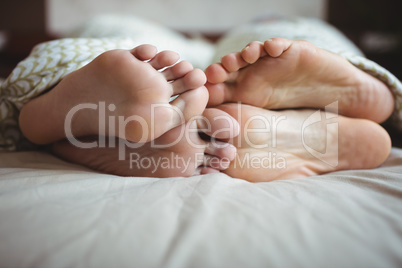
{"x": 33, "y": 122}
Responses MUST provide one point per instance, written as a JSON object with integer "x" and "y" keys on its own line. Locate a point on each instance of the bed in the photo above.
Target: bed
{"x": 57, "y": 214}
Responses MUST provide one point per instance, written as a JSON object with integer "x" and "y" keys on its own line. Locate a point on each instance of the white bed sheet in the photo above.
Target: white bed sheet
{"x": 56, "y": 214}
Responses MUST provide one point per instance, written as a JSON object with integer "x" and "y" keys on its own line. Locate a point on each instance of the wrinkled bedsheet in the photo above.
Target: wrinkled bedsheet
{"x": 56, "y": 214}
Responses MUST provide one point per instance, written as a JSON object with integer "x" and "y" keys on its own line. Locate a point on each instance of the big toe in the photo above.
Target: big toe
{"x": 144, "y": 52}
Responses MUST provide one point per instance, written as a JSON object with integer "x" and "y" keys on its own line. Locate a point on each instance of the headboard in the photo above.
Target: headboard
{"x": 207, "y": 16}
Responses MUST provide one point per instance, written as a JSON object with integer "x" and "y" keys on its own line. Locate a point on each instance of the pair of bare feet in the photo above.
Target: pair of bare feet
{"x": 282, "y": 74}
{"x": 116, "y": 115}
{"x": 280, "y": 144}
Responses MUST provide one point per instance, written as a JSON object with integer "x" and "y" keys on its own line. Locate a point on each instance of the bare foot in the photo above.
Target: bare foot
{"x": 120, "y": 93}
{"x": 295, "y": 74}
{"x": 179, "y": 152}
{"x": 289, "y": 144}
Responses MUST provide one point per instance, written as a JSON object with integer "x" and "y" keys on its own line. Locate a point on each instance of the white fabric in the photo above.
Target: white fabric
{"x": 55, "y": 214}
{"x": 196, "y": 50}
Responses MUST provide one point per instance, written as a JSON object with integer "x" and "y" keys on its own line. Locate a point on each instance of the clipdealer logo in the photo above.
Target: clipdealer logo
{"x": 266, "y": 126}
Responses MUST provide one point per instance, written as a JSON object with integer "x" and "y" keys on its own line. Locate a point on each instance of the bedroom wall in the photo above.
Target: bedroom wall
{"x": 184, "y": 15}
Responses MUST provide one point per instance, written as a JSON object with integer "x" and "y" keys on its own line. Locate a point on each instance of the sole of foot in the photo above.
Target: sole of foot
{"x": 274, "y": 145}
{"x": 283, "y": 74}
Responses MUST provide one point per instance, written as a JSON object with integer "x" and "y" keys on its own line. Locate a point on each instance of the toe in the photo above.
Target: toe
{"x": 191, "y": 80}
{"x": 216, "y": 93}
{"x": 253, "y": 51}
{"x": 216, "y": 73}
{"x": 164, "y": 59}
{"x": 218, "y": 124}
{"x": 144, "y": 52}
{"x": 216, "y": 163}
{"x": 205, "y": 170}
{"x": 178, "y": 70}
{"x": 275, "y": 47}
{"x": 233, "y": 62}
{"x": 221, "y": 149}
{"x": 189, "y": 104}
